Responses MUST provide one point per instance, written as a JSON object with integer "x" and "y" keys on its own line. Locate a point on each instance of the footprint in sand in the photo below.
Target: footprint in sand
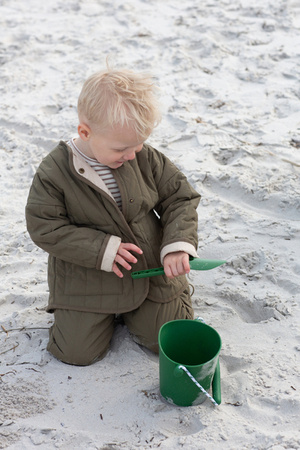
{"x": 248, "y": 308}
{"x": 253, "y": 307}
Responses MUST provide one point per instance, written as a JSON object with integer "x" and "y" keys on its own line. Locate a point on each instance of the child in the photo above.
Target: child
{"x": 103, "y": 204}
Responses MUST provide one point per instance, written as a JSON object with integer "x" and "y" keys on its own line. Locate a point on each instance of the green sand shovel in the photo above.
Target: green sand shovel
{"x": 195, "y": 264}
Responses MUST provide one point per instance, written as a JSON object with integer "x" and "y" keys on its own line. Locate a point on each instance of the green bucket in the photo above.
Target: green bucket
{"x": 189, "y": 362}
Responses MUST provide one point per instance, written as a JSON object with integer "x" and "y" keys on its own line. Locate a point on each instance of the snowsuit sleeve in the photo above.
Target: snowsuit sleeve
{"x": 51, "y": 228}
{"x": 177, "y": 207}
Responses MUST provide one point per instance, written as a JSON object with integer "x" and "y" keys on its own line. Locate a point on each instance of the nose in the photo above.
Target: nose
{"x": 132, "y": 152}
{"x": 130, "y": 155}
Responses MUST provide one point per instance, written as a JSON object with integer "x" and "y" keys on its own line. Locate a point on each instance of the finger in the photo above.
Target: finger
{"x": 127, "y": 255}
{"x": 122, "y": 262}
{"x": 186, "y": 265}
{"x": 132, "y": 247}
{"x": 117, "y": 271}
{"x": 176, "y": 269}
{"x": 181, "y": 268}
{"x": 168, "y": 271}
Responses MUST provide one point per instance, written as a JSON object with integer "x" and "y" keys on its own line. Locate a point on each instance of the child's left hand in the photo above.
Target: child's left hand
{"x": 176, "y": 263}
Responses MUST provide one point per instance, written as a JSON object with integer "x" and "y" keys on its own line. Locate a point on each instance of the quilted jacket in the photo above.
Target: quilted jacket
{"x": 72, "y": 216}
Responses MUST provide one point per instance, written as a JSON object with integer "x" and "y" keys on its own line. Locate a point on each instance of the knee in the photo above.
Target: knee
{"x": 80, "y": 338}
{"x": 73, "y": 357}
{"x": 72, "y": 354}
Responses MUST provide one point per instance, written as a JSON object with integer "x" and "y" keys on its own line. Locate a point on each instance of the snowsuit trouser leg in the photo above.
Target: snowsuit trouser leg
{"x": 81, "y": 338}
{"x": 145, "y": 322}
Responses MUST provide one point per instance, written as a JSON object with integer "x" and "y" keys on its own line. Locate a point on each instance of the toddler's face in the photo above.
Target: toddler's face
{"x": 115, "y": 146}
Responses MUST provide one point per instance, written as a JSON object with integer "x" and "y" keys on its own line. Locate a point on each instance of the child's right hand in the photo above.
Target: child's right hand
{"x": 124, "y": 256}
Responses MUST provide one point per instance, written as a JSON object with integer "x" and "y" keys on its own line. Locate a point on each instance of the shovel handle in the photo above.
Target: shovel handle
{"x": 148, "y": 273}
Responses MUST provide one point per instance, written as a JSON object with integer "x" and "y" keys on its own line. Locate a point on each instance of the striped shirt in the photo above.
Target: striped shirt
{"x": 104, "y": 172}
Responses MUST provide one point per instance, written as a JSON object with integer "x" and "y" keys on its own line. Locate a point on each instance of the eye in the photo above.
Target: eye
{"x": 120, "y": 150}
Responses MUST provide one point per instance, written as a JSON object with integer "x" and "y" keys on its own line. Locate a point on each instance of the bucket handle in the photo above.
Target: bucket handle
{"x": 216, "y": 378}
{"x": 198, "y": 384}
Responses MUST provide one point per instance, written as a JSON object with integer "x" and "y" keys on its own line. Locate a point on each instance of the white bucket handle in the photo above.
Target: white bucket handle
{"x": 194, "y": 379}
{"x": 198, "y": 384}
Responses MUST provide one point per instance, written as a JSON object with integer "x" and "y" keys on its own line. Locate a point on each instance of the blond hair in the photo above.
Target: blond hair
{"x": 119, "y": 97}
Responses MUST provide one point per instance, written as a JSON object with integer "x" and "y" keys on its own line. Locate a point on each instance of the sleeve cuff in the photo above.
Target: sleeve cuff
{"x": 180, "y": 246}
{"x": 110, "y": 253}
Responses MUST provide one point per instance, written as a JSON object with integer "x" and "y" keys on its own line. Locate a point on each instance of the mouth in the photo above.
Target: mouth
{"x": 118, "y": 163}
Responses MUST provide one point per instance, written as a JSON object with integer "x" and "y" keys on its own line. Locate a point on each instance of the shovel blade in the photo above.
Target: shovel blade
{"x": 195, "y": 264}
{"x": 205, "y": 264}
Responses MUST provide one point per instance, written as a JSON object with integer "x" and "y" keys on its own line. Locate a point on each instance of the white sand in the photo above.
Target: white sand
{"x": 229, "y": 78}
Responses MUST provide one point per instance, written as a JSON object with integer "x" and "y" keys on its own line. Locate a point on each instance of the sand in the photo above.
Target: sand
{"x": 229, "y": 79}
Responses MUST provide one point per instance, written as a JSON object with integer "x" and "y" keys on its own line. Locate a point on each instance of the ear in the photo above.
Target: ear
{"x": 84, "y": 131}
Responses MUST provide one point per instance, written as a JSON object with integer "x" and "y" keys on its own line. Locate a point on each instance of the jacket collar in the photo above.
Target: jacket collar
{"x": 84, "y": 170}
